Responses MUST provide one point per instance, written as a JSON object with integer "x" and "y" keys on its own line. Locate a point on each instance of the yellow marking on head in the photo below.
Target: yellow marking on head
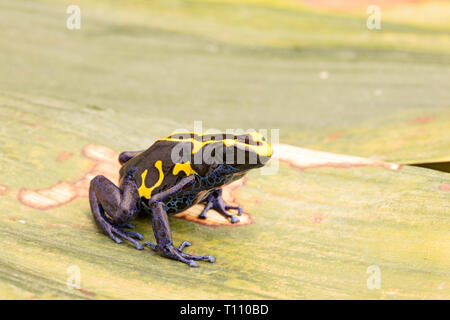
{"x": 264, "y": 150}
{"x": 145, "y": 191}
{"x": 196, "y": 145}
{"x": 185, "y": 167}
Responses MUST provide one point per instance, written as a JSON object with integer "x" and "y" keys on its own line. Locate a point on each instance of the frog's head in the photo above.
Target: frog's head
{"x": 207, "y": 151}
{"x": 246, "y": 151}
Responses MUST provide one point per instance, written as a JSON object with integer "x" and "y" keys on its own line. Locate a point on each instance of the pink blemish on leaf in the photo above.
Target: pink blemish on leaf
{"x": 3, "y": 189}
{"x": 100, "y": 153}
{"x": 445, "y": 187}
{"x": 424, "y": 119}
{"x": 56, "y": 195}
{"x": 333, "y": 136}
{"x": 30, "y": 124}
{"x": 87, "y": 292}
{"x": 55, "y": 225}
{"x": 84, "y": 227}
{"x": 319, "y": 219}
{"x": 64, "y": 156}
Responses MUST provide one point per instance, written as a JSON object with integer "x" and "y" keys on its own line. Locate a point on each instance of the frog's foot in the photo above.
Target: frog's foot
{"x": 175, "y": 253}
{"x": 115, "y": 232}
{"x": 216, "y": 202}
{"x": 136, "y": 235}
{"x": 160, "y": 222}
{"x": 126, "y": 225}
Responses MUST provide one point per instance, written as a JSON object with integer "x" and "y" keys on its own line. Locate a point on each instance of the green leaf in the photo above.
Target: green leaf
{"x": 70, "y": 100}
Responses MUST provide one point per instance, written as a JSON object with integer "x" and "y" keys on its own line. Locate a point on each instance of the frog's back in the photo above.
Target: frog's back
{"x": 147, "y": 159}
{"x": 154, "y": 171}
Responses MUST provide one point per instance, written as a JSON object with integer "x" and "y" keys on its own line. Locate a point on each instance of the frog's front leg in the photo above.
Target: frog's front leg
{"x": 114, "y": 207}
{"x": 164, "y": 243}
{"x": 161, "y": 229}
{"x": 216, "y": 202}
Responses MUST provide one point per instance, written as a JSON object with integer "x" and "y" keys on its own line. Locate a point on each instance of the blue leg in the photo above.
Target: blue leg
{"x": 161, "y": 229}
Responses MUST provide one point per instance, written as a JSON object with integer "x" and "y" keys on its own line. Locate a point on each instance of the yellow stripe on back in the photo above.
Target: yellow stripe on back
{"x": 196, "y": 145}
{"x": 264, "y": 149}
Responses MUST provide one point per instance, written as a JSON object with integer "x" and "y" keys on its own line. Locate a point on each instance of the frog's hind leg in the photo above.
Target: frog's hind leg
{"x": 127, "y": 155}
{"x": 216, "y": 202}
{"x": 114, "y": 207}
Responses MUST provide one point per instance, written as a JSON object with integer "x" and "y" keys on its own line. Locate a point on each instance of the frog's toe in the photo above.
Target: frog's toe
{"x": 184, "y": 244}
{"x": 126, "y": 225}
{"x": 116, "y": 233}
{"x": 193, "y": 264}
{"x": 151, "y": 245}
{"x": 197, "y": 258}
{"x": 137, "y": 235}
{"x": 175, "y": 253}
{"x": 238, "y": 208}
{"x": 189, "y": 257}
{"x": 234, "y": 219}
{"x": 207, "y": 207}
{"x": 112, "y": 236}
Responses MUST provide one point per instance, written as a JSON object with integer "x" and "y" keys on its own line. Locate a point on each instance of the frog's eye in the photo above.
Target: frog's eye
{"x": 254, "y": 139}
{"x": 257, "y": 137}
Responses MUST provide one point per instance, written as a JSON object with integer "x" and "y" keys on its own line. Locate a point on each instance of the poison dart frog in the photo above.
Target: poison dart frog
{"x": 172, "y": 175}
